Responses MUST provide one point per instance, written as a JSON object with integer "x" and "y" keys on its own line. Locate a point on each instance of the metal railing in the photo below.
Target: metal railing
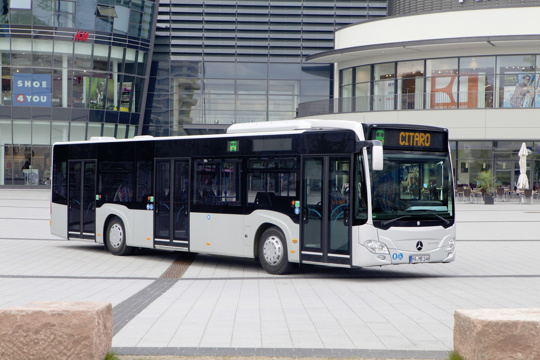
{"x": 421, "y": 101}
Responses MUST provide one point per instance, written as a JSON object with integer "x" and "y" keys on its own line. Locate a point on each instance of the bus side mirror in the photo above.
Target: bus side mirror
{"x": 377, "y": 156}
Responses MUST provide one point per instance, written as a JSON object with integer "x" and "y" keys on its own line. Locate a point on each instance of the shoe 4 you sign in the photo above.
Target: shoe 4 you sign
{"x": 31, "y": 89}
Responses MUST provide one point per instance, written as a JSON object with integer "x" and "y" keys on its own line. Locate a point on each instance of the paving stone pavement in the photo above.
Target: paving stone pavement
{"x": 175, "y": 304}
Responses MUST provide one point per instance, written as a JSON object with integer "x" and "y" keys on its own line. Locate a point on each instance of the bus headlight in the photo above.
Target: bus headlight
{"x": 451, "y": 245}
{"x": 376, "y": 247}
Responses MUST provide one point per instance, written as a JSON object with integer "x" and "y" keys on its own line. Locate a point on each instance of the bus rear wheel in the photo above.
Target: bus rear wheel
{"x": 273, "y": 252}
{"x": 116, "y": 238}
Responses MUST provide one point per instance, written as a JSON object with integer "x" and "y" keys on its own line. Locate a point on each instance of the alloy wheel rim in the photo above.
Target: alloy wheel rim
{"x": 116, "y": 235}
{"x": 273, "y": 250}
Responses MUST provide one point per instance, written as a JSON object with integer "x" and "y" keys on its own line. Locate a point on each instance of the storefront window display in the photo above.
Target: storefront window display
{"x": 442, "y": 84}
{"x": 383, "y": 86}
{"x": 501, "y": 157}
{"x": 474, "y": 82}
{"x": 517, "y": 81}
{"x": 72, "y": 76}
{"x": 410, "y": 87}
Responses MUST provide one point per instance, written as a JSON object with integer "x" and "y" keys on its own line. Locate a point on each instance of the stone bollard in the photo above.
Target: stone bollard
{"x": 500, "y": 334}
{"x": 56, "y": 330}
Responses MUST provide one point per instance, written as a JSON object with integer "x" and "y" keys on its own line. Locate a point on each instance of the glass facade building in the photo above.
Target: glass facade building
{"x": 223, "y": 62}
{"x": 470, "y": 66}
{"x": 70, "y": 70}
{"x": 471, "y": 82}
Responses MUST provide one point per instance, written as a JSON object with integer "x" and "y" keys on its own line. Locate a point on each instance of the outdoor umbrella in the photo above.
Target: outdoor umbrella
{"x": 523, "y": 181}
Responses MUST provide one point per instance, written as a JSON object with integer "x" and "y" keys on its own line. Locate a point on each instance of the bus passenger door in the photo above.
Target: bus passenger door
{"x": 325, "y": 232}
{"x": 82, "y": 200}
{"x": 172, "y": 211}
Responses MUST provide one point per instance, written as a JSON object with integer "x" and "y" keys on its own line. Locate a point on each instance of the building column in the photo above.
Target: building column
{"x": 115, "y": 78}
{"x": 64, "y": 81}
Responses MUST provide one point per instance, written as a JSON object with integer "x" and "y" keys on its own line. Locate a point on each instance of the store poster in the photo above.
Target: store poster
{"x": 443, "y": 90}
{"x": 98, "y": 95}
{"x": 125, "y": 93}
{"x": 31, "y": 89}
{"x": 468, "y": 94}
{"x": 519, "y": 90}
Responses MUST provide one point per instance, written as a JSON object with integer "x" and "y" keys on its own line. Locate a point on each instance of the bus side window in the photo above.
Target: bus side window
{"x": 116, "y": 182}
{"x": 59, "y": 182}
{"x": 217, "y": 182}
{"x": 144, "y": 179}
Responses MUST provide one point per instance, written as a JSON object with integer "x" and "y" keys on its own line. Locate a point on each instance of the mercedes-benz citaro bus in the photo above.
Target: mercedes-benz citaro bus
{"x": 302, "y": 191}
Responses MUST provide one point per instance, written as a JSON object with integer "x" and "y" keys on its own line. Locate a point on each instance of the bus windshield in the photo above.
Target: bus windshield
{"x": 413, "y": 187}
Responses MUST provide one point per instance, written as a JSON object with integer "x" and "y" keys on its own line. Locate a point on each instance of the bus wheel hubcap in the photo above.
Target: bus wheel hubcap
{"x": 116, "y": 236}
{"x": 273, "y": 250}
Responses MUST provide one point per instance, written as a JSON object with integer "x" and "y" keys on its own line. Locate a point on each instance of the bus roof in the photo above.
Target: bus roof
{"x": 291, "y": 125}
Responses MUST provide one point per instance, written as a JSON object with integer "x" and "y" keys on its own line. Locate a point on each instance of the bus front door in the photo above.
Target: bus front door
{"x": 82, "y": 200}
{"x": 325, "y": 232}
{"x": 171, "y": 210}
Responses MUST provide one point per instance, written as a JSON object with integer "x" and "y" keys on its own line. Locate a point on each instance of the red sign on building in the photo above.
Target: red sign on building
{"x": 81, "y": 36}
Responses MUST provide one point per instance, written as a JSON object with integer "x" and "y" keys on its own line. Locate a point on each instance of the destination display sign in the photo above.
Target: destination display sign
{"x": 409, "y": 139}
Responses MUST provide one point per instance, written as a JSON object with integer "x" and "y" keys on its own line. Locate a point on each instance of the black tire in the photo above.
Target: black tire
{"x": 116, "y": 238}
{"x": 273, "y": 253}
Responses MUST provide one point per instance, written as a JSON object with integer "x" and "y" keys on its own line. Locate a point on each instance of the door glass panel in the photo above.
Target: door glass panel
{"x": 339, "y": 205}
{"x": 163, "y": 170}
{"x": 75, "y": 182}
{"x": 504, "y": 174}
{"x": 89, "y": 197}
{"x": 313, "y": 210}
{"x": 181, "y": 179}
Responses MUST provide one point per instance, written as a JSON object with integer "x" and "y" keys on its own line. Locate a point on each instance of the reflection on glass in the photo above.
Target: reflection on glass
{"x": 77, "y": 131}
{"x": 477, "y": 82}
{"x": 41, "y": 132}
{"x": 251, "y": 87}
{"x": 93, "y": 130}
{"x": 59, "y": 131}
{"x": 417, "y": 186}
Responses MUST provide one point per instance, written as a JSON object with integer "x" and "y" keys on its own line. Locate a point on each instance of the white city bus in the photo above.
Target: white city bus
{"x": 300, "y": 191}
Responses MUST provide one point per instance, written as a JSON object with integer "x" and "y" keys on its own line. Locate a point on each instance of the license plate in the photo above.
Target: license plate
{"x": 418, "y": 259}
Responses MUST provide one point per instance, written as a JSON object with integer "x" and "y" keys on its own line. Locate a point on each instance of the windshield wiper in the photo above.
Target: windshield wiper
{"x": 384, "y": 223}
{"x": 426, "y": 212}
{"x": 417, "y": 212}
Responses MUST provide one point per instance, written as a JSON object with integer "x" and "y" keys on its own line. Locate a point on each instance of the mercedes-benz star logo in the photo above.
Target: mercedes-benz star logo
{"x": 419, "y": 246}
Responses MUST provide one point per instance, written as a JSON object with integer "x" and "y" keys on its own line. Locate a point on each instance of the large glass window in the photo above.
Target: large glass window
{"x": 410, "y": 84}
{"x": 476, "y": 82}
{"x": 473, "y": 157}
{"x": 60, "y": 131}
{"x": 43, "y": 13}
{"x": 441, "y": 84}
{"x": 467, "y": 82}
{"x": 346, "y": 90}
{"x": 516, "y": 81}
{"x": 363, "y": 88}
{"x": 384, "y": 86}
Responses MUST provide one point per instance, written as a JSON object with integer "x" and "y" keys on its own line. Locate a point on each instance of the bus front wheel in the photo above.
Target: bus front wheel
{"x": 273, "y": 252}
{"x": 116, "y": 238}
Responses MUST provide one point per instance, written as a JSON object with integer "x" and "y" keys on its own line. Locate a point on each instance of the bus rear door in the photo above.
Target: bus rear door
{"x": 172, "y": 204}
{"x": 325, "y": 232}
{"x": 82, "y": 200}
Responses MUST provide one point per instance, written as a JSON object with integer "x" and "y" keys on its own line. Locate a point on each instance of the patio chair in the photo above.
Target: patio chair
{"x": 501, "y": 194}
{"x": 527, "y": 196}
{"x": 467, "y": 195}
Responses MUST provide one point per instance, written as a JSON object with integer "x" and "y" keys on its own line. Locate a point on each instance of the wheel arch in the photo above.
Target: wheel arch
{"x": 108, "y": 219}
{"x": 260, "y": 230}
